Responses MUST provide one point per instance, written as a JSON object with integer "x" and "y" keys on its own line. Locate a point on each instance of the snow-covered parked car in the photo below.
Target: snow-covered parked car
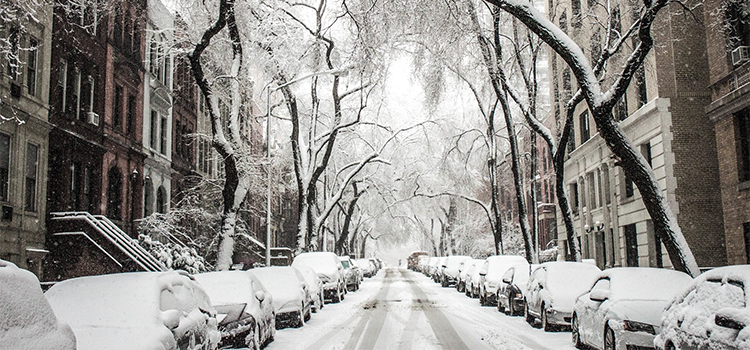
{"x": 351, "y": 275}
{"x": 473, "y": 284}
{"x": 291, "y": 298}
{"x": 470, "y": 269}
{"x": 316, "y": 286}
{"x": 26, "y": 318}
{"x": 491, "y": 275}
{"x": 512, "y": 287}
{"x": 244, "y": 307}
{"x": 368, "y": 268}
{"x": 136, "y": 310}
{"x": 450, "y": 272}
{"x": 623, "y": 308}
{"x": 552, "y": 291}
{"x": 328, "y": 267}
{"x": 712, "y": 313}
{"x": 437, "y": 274}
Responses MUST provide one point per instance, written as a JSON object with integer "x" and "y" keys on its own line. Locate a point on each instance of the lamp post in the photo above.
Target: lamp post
{"x": 269, "y": 91}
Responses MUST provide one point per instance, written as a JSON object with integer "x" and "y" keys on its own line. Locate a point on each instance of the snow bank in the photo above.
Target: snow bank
{"x": 26, "y": 318}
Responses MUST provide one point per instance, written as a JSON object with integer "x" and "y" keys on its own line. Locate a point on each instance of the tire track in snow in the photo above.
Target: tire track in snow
{"x": 446, "y": 335}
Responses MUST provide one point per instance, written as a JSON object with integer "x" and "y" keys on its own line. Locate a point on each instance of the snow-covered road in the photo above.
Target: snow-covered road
{"x": 402, "y": 309}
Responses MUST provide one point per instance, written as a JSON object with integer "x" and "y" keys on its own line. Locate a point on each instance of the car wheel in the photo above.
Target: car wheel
{"x": 527, "y": 315}
{"x": 466, "y": 292}
{"x": 609, "y": 339}
{"x": 336, "y": 296}
{"x": 670, "y": 346}
{"x": 300, "y": 319}
{"x": 545, "y": 324}
{"x": 575, "y": 333}
{"x": 500, "y": 307}
{"x": 256, "y": 339}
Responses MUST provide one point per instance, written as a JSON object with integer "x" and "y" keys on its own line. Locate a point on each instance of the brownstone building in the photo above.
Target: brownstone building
{"x": 96, "y": 91}
{"x": 727, "y": 26}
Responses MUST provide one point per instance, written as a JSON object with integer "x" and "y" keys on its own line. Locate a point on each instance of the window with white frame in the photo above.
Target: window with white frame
{"x": 32, "y": 168}
{"x": 31, "y": 67}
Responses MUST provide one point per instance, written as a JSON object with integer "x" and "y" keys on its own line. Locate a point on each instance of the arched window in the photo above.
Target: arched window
{"x": 148, "y": 197}
{"x": 161, "y": 200}
{"x": 114, "y": 193}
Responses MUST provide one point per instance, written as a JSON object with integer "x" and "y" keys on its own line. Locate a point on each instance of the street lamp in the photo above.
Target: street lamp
{"x": 335, "y": 72}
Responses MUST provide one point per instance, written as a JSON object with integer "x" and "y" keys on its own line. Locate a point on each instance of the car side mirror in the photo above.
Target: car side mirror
{"x": 599, "y": 295}
{"x": 482, "y": 273}
{"x": 171, "y": 318}
{"x": 507, "y": 280}
{"x": 260, "y": 296}
{"x": 725, "y": 318}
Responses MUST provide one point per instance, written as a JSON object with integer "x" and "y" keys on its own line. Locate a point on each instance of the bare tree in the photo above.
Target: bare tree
{"x": 601, "y": 100}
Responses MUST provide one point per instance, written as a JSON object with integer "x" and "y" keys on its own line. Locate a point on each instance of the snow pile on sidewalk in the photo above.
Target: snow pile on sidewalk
{"x": 26, "y": 318}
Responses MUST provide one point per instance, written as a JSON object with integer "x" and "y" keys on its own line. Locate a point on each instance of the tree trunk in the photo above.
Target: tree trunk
{"x": 341, "y": 242}
{"x": 573, "y": 252}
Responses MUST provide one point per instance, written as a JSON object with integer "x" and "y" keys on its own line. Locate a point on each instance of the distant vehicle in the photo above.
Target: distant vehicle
{"x": 249, "y": 318}
{"x": 623, "y": 308}
{"x": 291, "y": 299}
{"x": 491, "y": 275}
{"x": 368, "y": 268}
{"x": 413, "y": 259}
{"x": 450, "y": 271}
{"x": 553, "y": 289}
{"x": 464, "y": 280}
{"x": 281, "y": 256}
{"x": 316, "y": 286}
{"x": 351, "y": 275}
{"x": 437, "y": 273}
{"x": 472, "y": 287}
{"x": 31, "y": 325}
{"x": 512, "y": 287}
{"x": 711, "y": 313}
{"x": 328, "y": 267}
{"x": 136, "y": 310}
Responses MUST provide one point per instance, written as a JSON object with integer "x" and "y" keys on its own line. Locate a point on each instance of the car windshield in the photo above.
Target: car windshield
{"x": 345, "y": 264}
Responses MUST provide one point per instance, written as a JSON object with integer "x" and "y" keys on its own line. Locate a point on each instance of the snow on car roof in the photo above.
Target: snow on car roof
{"x": 319, "y": 261}
{"x": 646, "y": 283}
{"x": 123, "y": 299}
{"x": 26, "y": 318}
{"x": 568, "y": 274}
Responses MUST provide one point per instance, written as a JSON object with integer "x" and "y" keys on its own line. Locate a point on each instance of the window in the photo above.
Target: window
{"x": 646, "y": 152}
{"x": 75, "y": 171}
{"x": 14, "y": 59}
{"x": 154, "y": 128}
{"x": 595, "y": 46}
{"x": 90, "y": 107}
{"x": 161, "y": 200}
{"x": 574, "y": 200}
{"x": 31, "y": 67}
{"x": 743, "y": 153}
{"x": 117, "y": 109}
{"x": 737, "y": 24}
{"x": 127, "y": 34}
{"x": 117, "y": 32}
{"x": 583, "y": 124}
{"x": 629, "y": 188}
{"x": 84, "y": 103}
{"x": 177, "y": 138}
{"x": 76, "y": 92}
{"x": 631, "y": 245}
{"x": 163, "y": 141}
{"x": 62, "y": 83}
{"x": 130, "y": 122}
{"x": 136, "y": 40}
{"x": 4, "y": 166}
{"x": 114, "y": 193}
{"x": 621, "y": 108}
{"x": 746, "y": 233}
{"x": 564, "y": 22}
{"x": 32, "y": 165}
{"x": 640, "y": 85}
{"x": 153, "y": 55}
{"x": 575, "y": 7}
{"x": 148, "y": 190}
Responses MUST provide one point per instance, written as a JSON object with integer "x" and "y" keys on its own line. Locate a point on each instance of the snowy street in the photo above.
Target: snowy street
{"x": 402, "y": 309}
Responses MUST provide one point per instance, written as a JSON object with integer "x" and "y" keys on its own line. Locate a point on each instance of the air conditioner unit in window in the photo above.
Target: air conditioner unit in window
{"x": 740, "y": 55}
{"x": 93, "y": 118}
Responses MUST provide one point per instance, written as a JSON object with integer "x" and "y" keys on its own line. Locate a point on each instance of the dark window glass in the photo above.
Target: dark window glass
{"x": 646, "y": 152}
{"x": 117, "y": 109}
{"x": 583, "y": 124}
{"x": 746, "y": 233}
{"x": 161, "y": 200}
{"x": 631, "y": 245}
{"x": 743, "y": 154}
{"x": 640, "y": 83}
{"x": 575, "y": 7}
{"x": 32, "y": 166}
{"x": 131, "y": 116}
{"x": 88, "y": 193}
{"x": 629, "y": 189}
{"x": 163, "y": 141}
{"x": 31, "y": 66}
{"x": 147, "y": 198}
{"x": 154, "y": 128}
{"x": 4, "y": 166}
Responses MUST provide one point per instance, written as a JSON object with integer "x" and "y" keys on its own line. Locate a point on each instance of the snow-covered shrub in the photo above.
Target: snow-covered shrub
{"x": 173, "y": 255}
